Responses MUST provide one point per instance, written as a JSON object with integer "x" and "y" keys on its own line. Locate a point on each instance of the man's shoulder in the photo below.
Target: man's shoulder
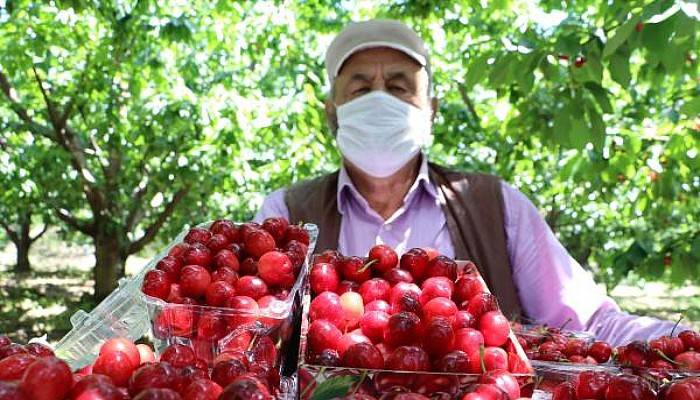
{"x": 451, "y": 174}
{"x": 306, "y": 189}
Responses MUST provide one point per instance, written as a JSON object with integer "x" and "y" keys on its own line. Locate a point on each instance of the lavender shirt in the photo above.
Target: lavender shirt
{"x": 552, "y": 286}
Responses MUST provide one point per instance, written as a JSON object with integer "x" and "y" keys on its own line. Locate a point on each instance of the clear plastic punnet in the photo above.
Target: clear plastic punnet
{"x": 128, "y": 312}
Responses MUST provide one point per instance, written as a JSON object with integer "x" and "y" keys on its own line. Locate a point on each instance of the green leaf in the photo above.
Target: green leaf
{"x": 695, "y": 247}
{"x": 591, "y": 71}
{"x": 601, "y": 96}
{"x": 655, "y": 37}
{"x": 337, "y": 386}
{"x": 621, "y": 34}
{"x": 620, "y": 69}
{"x": 501, "y": 70}
{"x": 562, "y": 126}
{"x": 691, "y": 107}
{"x": 597, "y": 136}
{"x": 476, "y": 71}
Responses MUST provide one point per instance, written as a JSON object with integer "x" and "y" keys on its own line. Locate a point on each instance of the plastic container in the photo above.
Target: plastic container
{"x": 551, "y": 374}
{"x": 128, "y": 312}
{"x": 437, "y": 385}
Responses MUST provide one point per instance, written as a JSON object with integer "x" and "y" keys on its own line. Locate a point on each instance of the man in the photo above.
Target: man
{"x": 380, "y": 109}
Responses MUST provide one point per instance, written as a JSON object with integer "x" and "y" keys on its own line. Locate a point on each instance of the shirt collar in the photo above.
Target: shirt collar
{"x": 422, "y": 182}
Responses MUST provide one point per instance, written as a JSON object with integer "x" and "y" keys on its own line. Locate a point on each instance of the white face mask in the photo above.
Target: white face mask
{"x": 379, "y": 133}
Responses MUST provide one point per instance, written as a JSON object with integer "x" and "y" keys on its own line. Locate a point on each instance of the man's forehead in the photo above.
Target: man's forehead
{"x": 390, "y": 59}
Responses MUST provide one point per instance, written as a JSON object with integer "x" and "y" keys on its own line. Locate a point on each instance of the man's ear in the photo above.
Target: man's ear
{"x": 331, "y": 115}
{"x": 434, "y": 107}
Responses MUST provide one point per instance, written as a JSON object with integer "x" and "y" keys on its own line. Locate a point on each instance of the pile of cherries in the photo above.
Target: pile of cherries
{"x": 416, "y": 313}
{"x": 666, "y": 353}
{"x": 554, "y": 344}
{"x": 215, "y": 266}
{"x": 124, "y": 371}
{"x": 603, "y": 386}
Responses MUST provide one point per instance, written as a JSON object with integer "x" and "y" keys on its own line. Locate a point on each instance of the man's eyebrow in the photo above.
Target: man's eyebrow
{"x": 359, "y": 76}
{"x": 398, "y": 75}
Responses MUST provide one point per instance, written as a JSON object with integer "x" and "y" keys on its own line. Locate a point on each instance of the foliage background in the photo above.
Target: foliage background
{"x": 181, "y": 111}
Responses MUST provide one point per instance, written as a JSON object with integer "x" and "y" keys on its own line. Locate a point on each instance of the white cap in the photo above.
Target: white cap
{"x": 371, "y": 34}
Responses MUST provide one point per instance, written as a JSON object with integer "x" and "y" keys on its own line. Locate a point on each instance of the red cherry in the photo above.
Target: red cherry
{"x": 494, "y": 358}
{"x": 218, "y": 242}
{"x": 275, "y": 268}
{"x": 404, "y": 328}
{"x": 211, "y": 326}
{"x": 12, "y": 368}
{"x": 39, "y": 350}
{"x": 378, "y": 305}
{"x": 226, "y": 228}
{"x": 332, "y": 257}
{"x": 464, "y": 319}
{"x": 628, "y": 387}
{"x": 373, "y": 325}
{"x": 11, "y": 391}
{"x": 437, "y": 286}
{"x": 323, "y": 335}
{"x": 468, "y": 340}
{"x": 197, "y": 235}
{"x": 47, "y": 378}
{"x": 246, "y": 388}
{"x": 156, "y": 284}
{"x": 251, "y": 286}
{"x": 690, "y": 339}
{"x": 439, "y": 337}
{"x": 297, "y": 252}
{"x": 635, "y": 354}
{"x": 178, "y": 250}
{"x": 504, "y": 381}
{"x": 408, "y": 358}
{"x": 579, "y": 62}
{"x": 350, "y": 339}
{"x": 259, "y": 242}
{"x": 327, "y": 306}
{"x": 225, "y": 372}
{"x": 197, "y": 254}
{"x": 175, "y": 295}
{"x": 159, "y": 375}
{"x": 495, "y": 328}
{"x": 323, "y": 277}
{"x": 4, "y": 340}
{"x": 591, "y": 384}
{"x": 354, "y": 269}
{"x": 467, "y": 287}
{"x": 482, "y": 303}
{"x": 116, "y": 365}
{"x": 442, "y": 266}
{"x": 202, "y": 389}
{"x": 227, "y": 259}
{"x": 174, "y": 321}
{"x": 685, "y": 389}
{"x": 225, "y": 274}
{"x": 244, "y": 312}
{"x": 296, "y": 232}
{"x": 87, "y": 382}
{"x": 564, "y": 391}
{"x": 415, "y": 261}
{"x": 689, "y": 361}
{"x": 158, "y": 394}
{"x": 454, "y": 361}
{"x": 328, "y": 358}
{"x": 194, "y": 280}
{"x": 171, "y": 265}
{"x": 178, "y": 355}
{"x": 374, "y": 289}
{"x": 363, "y": 355}
{"x": 386, "y": 258}
{"x": 600, "y": 351}
{"x": 439, "y": 307}
{"x": 347, "y": 286}
{"x": 125, "y": 346}
{"x": 277, "y": 227}
{"x": 218, "y": 293}
{"x": 396, "y": 275}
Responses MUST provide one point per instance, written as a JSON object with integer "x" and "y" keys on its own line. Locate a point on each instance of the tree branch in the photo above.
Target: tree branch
{"x": 40, "y": 234}
{"x": 470, "y": 106}
{"x": 153, "y": 229}
{"x": 79, "y": 225}
{"x": 11, "y": 233}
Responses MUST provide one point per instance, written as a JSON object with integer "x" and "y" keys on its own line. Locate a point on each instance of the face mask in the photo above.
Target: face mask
{"x": 379, "y": 133}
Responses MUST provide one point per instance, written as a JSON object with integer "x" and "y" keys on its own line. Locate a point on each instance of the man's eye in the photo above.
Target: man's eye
{"x": 361, "y": 90}
{"x": 397, "y": 89}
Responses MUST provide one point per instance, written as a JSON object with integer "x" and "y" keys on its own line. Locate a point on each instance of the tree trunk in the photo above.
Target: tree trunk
{"x": 109, "y": 265}
{"x": 22, "y": 244}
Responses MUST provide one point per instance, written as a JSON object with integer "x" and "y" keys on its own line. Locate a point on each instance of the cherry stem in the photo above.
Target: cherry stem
{"x": 308, "y": 387}
{"x": 666, "y": 358}
{"x": 676, "y": 325}
{"x": 481, "y": 359}
{"x": 252, "y": 342}
{"x": 367, "y": 265}
{"x": 359, "y": 382}
{"x": 568, "y": 320}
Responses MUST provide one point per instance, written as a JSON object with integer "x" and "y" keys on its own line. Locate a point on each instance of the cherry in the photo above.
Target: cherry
{"x": 218, "y": 293}
{"x": 10, "y": 391}
{"x": 350, "y": 339}
{"x": 197, "y": 235}
{"x": 145, "y": 353}
{"x": 239, "y": 342}
{"x": 225, "y": 274}
{"x": 156, "y": 284}
{"x": 217, "y": 242}
{"x": 332, "y": 257}
{"x": 328, "y": 358}
{"x": 226, "y": 228}
{"x": 494, "y": 358}
{"x": 178, "y": 355}
{"x": 439, "y": 337}
{"x": 347, "y": 286}
{"x": 635, "y": 354}
{"x": 248, "y": 228}
{"x": 323, "y": 278}
{"x": 249, "y": 266}
{"x": 194, "y": 280}
{"x": 327, "y": 306}
{"x": 628, "y": 387}
{"x": 673, "y": 345}
{"x": 323, "y": 335}
{"x": 175, "y": 295}
{"x": 408, "y": 358}
{"x": 258, "y": 242}
{"x": 403, "y": 289}
{"x": 39, "y": 350}
{"x": 174, "y": 321}
{"x": 437, "y": 286}
{"x": 4, "y": 340}
{"x": 415, "y": 261}
{"x": 600, "y": 351}
{"x": 504, "y": 381}
{"x": 564, "y": 391}
{"x": 468, "y": 340}
{"x": 396, "y": 275}
{"x": 373, "y": 324}
{"x": 277, "y": 227}
{"x": 48, "y": 378}
{"x": 374, "y": 289}
{"x": 363, "y": 355}
{"x": 187, "y": 375}
{"x": 386, "y": 258}
{"x": 225, "y": 372}
{"x": 227, "y": 259}
{"x": 198, "y": 254}
{"x": 486, "y": 392}
{"x": 442, "y": 266}
{"x": 576, "y": 347}
{"x": 690, "y": 339}
{"x": 158, "y": 394}
{"x": 202, "y": 389}
{"x": 482, "y": 303}
{"x": 178, "y": 250}
{"x": 404, "y": 328}
{"x": 245, "y": 310}
{"x": 246, "y": 388}
{"x": 378, "y": 305}
{"x": 296, "y": 232}
{"x": 123, "y": 345}
{"x": 591, "y": 384}
{"x": 296, "y": 251}
{"x": 463, "y": 319}
{"x": 580, "y": 61}
{"x": 251, "y": 286}
{"x": 89, "y": 381}
{"x": 171, "y": 266}
{"x": 467, "y": 287}
{"x": 159, "y": 375}
{"x": 353, "y": 309}
{"x": 275, "y": 268}
{"x": 439, "y": 307}
{"x": 117, "y": 365}
{"x": 684, "y": 389}
{"x": 12, "y": 368}
{"x": 689, "y": 361}
{"x": 454, "y": 361}
{"x": 354, "y": 269}
{"x": 495, "y": 328}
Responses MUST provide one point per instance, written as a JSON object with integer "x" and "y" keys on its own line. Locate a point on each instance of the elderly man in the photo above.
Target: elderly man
{"x": 380, "y": 109}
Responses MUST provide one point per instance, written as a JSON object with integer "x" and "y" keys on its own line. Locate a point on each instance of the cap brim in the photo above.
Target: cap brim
{"x": 372, "y": 45}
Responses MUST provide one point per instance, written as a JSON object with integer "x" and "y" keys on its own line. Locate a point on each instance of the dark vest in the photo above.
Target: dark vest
{"x": 473, "y": 207}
